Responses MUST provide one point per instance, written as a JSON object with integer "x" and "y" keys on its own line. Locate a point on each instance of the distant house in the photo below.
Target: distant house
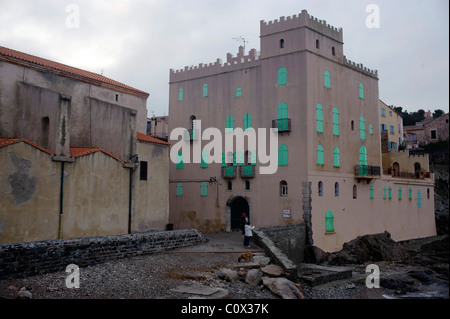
{"x": 428, "y": 131}
{"x": 391, "y": 126}
{"x": 75, "y": 159}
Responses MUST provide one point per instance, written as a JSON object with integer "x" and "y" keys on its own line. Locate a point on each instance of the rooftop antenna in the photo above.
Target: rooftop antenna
{"x": 241, "y": 39}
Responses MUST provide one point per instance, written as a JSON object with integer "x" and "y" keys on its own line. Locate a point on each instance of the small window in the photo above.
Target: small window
{"x": 229, "y": 124}
{"x": 204, "y": 159}
{"x": 333, "y": 51}
{"x": 317, "y": 44}
{"x": 428, "y": 193}
{"x": 283, "y": 189}
{"x": 282, "y": 44}
{"x": 319, "y": 118}
{"x": 205, "y": 90}
{"x": 335, "y": 121}
{"x": 143, "y": 171}
{"x": 433, "y": 134}
{"x": 180, "y": 189}
{"x": 352, "y": 125}
{"x": 180, "y": 94}
{"x": 371, "y": 192}
{"x": 410, "y": 193}
{"x": 238, "y": 92}
{"x": 384, "y": 192}
{"x": 247, "y": 121}
{"x": 419, "y": 199}
{"x": 371, "y": 129}
{"x": 204, "y": 189}
{"x": 117, "y": 97}
{"x": 247, "y": 185}
{"x": 362, "y": 129}
{"x": 230, "y": 185}
{"x": 336, "y": 189}
{"x": 355, "y": 192}
{"x": 320, "y": 188}
{"x": 399, "y": 193}
{"x": 336, "y": 157}
{"x": 389, "y": 192}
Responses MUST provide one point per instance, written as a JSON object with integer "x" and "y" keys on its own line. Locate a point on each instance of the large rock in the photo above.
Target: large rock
{"x": 283, "y": 287}
{"x": 314, "y": 255}
{"x": 273, "y": 270}
{"x": 253, "y": 277}
{"x": 369, "y": 248}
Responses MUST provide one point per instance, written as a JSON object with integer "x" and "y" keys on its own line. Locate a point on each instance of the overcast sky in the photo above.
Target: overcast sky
{"x": 137, "y": 42}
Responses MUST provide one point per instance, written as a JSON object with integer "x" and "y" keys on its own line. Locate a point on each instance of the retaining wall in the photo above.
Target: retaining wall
{"x": 19, "y": 260}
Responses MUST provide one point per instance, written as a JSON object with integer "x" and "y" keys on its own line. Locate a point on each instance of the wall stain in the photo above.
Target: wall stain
{"x": 23, "y": 187}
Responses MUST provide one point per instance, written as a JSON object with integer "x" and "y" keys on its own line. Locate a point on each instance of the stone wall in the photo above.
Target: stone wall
{"x": 290, "y": 239}
{"x": 32, "y": 258}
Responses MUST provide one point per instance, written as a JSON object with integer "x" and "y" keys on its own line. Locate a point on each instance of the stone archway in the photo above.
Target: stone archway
{"x": 236, "y": 205}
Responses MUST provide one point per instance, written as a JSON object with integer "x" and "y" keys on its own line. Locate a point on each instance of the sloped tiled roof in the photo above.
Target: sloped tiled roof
{"x": 150, "y": 139}
{"x": 5, "y": 141}
{"x": 65, "y": 70}
{"x": 78, "y": 151}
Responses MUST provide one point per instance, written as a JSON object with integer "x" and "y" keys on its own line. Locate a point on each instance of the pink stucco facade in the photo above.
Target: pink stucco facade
{"x": 301, "y": 65}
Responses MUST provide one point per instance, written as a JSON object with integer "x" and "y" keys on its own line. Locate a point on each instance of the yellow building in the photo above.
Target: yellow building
{"x": 391, "y": 123}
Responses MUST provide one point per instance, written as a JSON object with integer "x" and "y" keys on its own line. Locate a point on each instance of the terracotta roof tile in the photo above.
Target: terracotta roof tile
{"x": 5, "y": 141}
{"x": 17, "y": 56}
{"x": 78, "y": 151}
{"x": 150, "y": 139}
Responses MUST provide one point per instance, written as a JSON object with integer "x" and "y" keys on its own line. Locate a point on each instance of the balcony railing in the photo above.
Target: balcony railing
{"x": 417, "y": 175}
{"x": 229, "y": 172}
{"x": 283, "y": 125}
{"x": 367, "y": 171}
{"x": 247, "y": 171}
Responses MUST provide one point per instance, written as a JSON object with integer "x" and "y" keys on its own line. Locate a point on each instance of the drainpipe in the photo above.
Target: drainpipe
{"x": 130, "y": 197}
{"x": 61, "y": 201}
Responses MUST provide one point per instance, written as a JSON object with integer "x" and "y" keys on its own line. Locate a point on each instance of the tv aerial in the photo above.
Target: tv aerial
{"x": 241, "y": 39}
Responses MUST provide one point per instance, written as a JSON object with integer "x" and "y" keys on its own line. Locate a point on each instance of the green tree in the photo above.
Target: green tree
{"x": 438, "y": 113}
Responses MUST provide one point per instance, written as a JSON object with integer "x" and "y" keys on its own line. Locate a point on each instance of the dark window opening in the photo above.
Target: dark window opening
{"x": 333, "y": 51}
{"x": 433, "y": 134}
{"x": 45, "y": 131}
{"x": 336, "y": 189}
{"x": 143, "y": 171}
{"x": 282, "y": 43}
{"x": 317, "y": 44}
{"x": 230, "y": 185}
{"x": 320, "y": 186}
{"x": 117, "y": 97}
{"x": 355, "y": 192}
{"x": 283, "y": 189}
{"x": 352, "y": 124}
{"x": 247, "y": 185}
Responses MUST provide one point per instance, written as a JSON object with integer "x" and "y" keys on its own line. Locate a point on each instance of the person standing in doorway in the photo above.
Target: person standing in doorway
{"x": 248, "y": 234}
{"x": 243, "y": 222}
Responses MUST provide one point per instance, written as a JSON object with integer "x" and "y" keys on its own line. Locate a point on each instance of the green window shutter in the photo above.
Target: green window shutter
{"x": 320, "y": 155}
{"x": 384, "y": 192}
{"x": 224, "y": 163}
{"x": 204, "y": 159}
{"x": 419, "y": 199}
{"x": 335, "y": 122}
{"x": 283, "y": 154}
{"x": 371, "y": 192}
{"x": 247, "y": 121}
{"x": 238, "y": 92}
{"x": 229, "y": 124}
{"x": 205, "y": 90}
{"x": 329, "y": 221}
{"x": 180, "y": 160}
{"x": 336, "y": 155}
{"x": 371, "y": 129}
{"x": 361, "y": 91}
{"x": 204, "y": 189}
{"x": 410, "y": 193}
{"x": 282, "y": 116}
{"x": 319, "y": 118}
{"x": 180, "y": 189}
{"x": 253, "y": 162}
{"x": 239, "y": 158}
{"x": 282, "y": 76}
{"x": 327, "y": 82}
{"x": 362, "y": 129}
{"x": 180, "y": 94}
{"x": 399, "y": 193}
{"x": 389, "y": 192}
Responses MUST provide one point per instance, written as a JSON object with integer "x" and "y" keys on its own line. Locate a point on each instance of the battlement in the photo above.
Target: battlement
{"x": 303, "y": 19}
{"x": 240, "y": 61}
{"x": 360, "y": 67}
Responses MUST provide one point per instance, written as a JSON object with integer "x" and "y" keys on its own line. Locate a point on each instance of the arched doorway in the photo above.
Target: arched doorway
{"x": 237, "y": 205}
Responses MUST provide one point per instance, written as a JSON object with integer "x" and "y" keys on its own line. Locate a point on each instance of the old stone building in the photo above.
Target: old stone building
{"x": 329, "y": 168}
{"x": 75, "y": 159}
